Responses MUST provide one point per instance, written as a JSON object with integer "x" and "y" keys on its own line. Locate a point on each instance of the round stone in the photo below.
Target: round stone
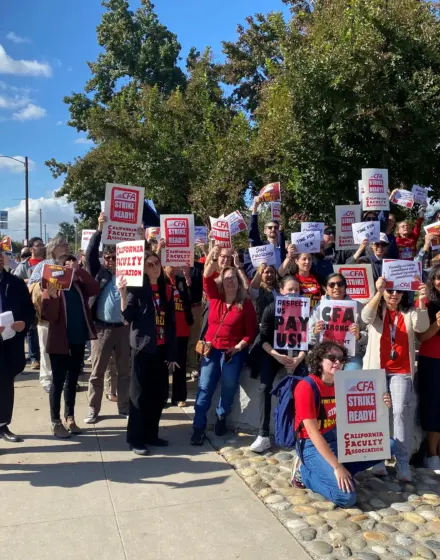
{"x": 283, "y": 456}
{"x": 246, "y": 472}
{"x": 279, "y": 483}
{"x": 433, "y": 544}
{"x": 367, "y": 556}
{"x": 402, "y": 507}
{"x": 359, "y": 518}
{"x": 272, "y": 461}
{"x": 434, "y": 526}
{"x": 407, "y": 528}
{"x": 336, "y": 537}
{"x": 306, "y": 535}
{"x": 347, "y": 527}
{"x": 296, "y": 524}
{"x": 252, "y": 479}
{"x": 425, "y": 552}
{"x": 387, "y": 511}
{"x": 392, "y": 518}
{"x": 324, "y": 529}
{"x": 281, "y": 506}
{"x": 379, "y": 549}
{"x": 385, "y": 528}
{"x": 324, "y": 506}
{"x": 423, "y": 534}
{"x": 377, "y": 504}
{"x": 414, "y": 498}
{"x": 265, "y": 492}
{"x": 375, "y": 536}
{"x": 298, "y": 500}
{"x": 403, "y": 540}
{"x": 271, "y": 469}
{"x": 320, "y": 548}
{"x": 358, "y": 543}
{"x": 258, "y": 460}
{"x": 314, "y": 520}
{"x": 374, "y": 515}
{"x": 368, "y": 525}
{"x": 414, "y": 518}
{"x": 292, "y": 492}
{"x": 248, "y": 453}
{"x": 233, "y": 456}
{"x": 289, "y": 514}
{"x": 429, "y": 481}
{"x": 430, "y": 496}
{"x": 337, "y": 515}
{"x": 225, "y": 450}
{"x": 424, "y": 507}
{"x": 345, "y": 551}
{"x": 399, "y": 551}
{"x": 305, "y": 510}
{"x": 273, "y": 499}
{"x": 314, "y": 496}
{"x": 258, "y": 486}
{"x": 240, "y": 463}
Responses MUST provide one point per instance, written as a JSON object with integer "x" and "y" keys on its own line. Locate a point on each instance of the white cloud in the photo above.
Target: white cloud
{"x": 22, "y": 67}
{"x": 30, "y": 113}
{"x": 60, "y": 123}
{"x": 54, "y": 211}
{"x": 83, "y": 140}
{"x": 14, "y": 166}
{"x": 16, "y": 38}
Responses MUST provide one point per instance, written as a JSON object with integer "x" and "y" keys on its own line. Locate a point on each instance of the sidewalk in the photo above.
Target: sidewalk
{"x": 89, "y": 497}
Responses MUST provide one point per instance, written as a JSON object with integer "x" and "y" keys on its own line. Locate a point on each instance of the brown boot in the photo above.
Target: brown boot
{"x": 59, "y": 430}
{"x": 72, "y": 426}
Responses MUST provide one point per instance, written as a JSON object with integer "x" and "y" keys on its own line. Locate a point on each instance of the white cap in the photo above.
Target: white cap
{"x": 384, "y": 238}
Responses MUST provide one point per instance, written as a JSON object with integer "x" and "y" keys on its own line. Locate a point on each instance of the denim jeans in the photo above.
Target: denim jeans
{"x": 354, "y": 362}
{"x": 319, "y": 476}
{"x": 214, "y": 368}
{"x": 33, "y": 345}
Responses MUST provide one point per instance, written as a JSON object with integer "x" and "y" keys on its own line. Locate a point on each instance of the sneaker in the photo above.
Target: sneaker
{"x": 379, "y": 470}
{"x": 59, "y": 430}
{"x": 261, "y": 444}
{"x": 46, "y": 388}
{"x": 142, "y": 451}
{"x": 403, "y": 473}
{"x": 181, "y": 404}
{"x": 92, "y": 417}
{"x": 35, "y": 364}
{"x": 220, "y": 426}
{"x": 197, "y": 437}
{"x": 432, "y": 463}
{"x": 72, "y": 426}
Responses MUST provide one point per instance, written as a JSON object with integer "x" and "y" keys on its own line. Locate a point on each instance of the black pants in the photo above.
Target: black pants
{"x": 149, "y": 384}
{"x": 270, "y": 368}
{"x": 179, "y": 392}
{"x": 65, "y": 372}
{"x": 6, "y": 395}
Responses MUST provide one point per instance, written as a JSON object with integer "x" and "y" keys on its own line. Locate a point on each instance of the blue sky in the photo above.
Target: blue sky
{"x": 44, "y": 47}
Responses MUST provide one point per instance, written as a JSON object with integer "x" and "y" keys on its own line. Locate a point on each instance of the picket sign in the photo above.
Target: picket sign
{"x": 86, "y": 235}
{"x": 130, "y": 256}
{"x": 360, "y": 281}
{"x": 271, "y": 193}
{"x": 366, "y": 230}
{"x": 291, "y": 323}
{"x": 345, "y": 216}
{"x": 123, "y": 208}
{"x": 375, "y": 190}
{"x": 275, "y": 211}
{"x": 221, "y": 232}
{"x": 434, "y": 228}
{"x": 178, "y": 232}
{"x": 338, "y": 316}
{"x": 308, "y": 242}
{"x": 201, "y": 234}
{"x": 236, "y": 222}
{"x": 402, "y": 274}
{"x": 420, "y": 194}
{"x": 404, "y": 198}
{"x": 313, "y": 226}
{"x": 262, "y": 254}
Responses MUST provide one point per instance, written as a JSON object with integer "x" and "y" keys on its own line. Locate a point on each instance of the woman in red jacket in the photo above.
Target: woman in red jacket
{"x": 232, "y": 326}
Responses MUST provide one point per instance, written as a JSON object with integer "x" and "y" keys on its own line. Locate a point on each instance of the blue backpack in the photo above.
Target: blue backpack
{"x": 284, "y": 413}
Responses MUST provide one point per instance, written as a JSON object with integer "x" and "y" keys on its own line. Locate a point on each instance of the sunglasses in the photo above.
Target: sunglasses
{"x": 110, "y": 258}
{"x": 370, "y": 219}
{"x": 333, "y": 359}
{"x": 153, "y": 264}
{"x": 334, "y": 284}
{"x": 381, "y": 244}
{"x": 388, "y": 291}
{"x": 273, "y": 227}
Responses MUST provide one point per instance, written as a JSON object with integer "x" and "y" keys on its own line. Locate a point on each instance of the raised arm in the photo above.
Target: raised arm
{"x": 211, "y": 265}
{"x": 92, "y": 253}
{"x": 288, "y": 261}
{"x": 254, "y": 232}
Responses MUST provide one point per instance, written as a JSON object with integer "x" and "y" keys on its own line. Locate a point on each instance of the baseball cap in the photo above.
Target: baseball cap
{"x": 384, "y": 238}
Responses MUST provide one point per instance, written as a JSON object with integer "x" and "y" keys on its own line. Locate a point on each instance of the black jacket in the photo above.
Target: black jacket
{"x": 141, "y": 314}
{"x": 185, "y": 297}
{"x": 95, "y": 268}
{"x": 15, "y": 297}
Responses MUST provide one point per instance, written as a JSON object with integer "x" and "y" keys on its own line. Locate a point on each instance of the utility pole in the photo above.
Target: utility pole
{"x": 26, "y": 175}
{"x": 45, "y": 234}
{"x": 41, "y": 223}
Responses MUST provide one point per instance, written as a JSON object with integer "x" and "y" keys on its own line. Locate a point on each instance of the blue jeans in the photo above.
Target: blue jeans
{"x": 33, "y": 345}
{"x": 354, "y": 362}
{"x": 214, "y": 368}
{"x": 319, "y": 476}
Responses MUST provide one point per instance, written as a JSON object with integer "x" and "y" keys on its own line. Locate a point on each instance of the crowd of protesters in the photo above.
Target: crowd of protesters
{"x": 214, "y": 322}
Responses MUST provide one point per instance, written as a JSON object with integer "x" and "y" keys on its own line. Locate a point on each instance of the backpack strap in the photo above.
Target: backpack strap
{"x": 321, "y": 410}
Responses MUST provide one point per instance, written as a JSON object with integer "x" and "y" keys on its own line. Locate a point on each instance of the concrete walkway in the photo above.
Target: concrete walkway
{"x": 90, "y": 498}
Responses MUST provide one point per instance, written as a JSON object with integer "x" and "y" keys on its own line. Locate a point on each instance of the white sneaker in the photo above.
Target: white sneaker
{"x": 403, "y": 473}
{"x": 432, "y": 463}
{"x": 379, "y": 470}
{"x": 91, "y": 417}
{"x": 261, "y": 444}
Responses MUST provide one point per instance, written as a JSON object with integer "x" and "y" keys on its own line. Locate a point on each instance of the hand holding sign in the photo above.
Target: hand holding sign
{"x": 366, "y": 230}
{"x": 308, "y": 242}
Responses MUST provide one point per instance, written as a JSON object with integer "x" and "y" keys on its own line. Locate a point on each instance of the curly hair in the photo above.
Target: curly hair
{"x": 315, "y": 357}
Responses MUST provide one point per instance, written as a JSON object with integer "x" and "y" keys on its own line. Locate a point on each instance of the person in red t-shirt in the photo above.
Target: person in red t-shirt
{"x": 232, "y": 326}
{"x": 428, "y": 370}
{"x": 180, "y": 281}
{"x": 317, "y": 443}
{"x": 309, "y": 283}
{"x": 406, "y": 240}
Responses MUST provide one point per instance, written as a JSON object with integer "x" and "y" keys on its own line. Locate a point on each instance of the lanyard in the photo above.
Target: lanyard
{"x": 157, "y": 312}
{"x": 393, "y": 328}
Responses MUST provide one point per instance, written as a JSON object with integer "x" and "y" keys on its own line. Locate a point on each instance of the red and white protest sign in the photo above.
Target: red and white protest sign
{"x": 401, "y": 274}
{"x": 363, "y": 431}
{"x": 220, "y": 232}
{"x": 123, "y": 208}
{"x": 178, "y": 232}
{"x": 375, "y": 190}
{"x": 271, "y": 193}
{"x": 434, "y": 229}
{"x": 275, "y": 211}
{"x": 60, "y": 277}
{"x": 345, "y": 216}
{"x": 236, "y": 222}
{"x": 152, "y": 233}
{"x": 359, "y": 278}
{"x": 130, "y": 257}
{"x": 291, "y": 323}
{"x": 404, "y": 198}
{"x": 420, "y": 194}
{"x": 338, "y": 316}
{"x": 86, "y": 235}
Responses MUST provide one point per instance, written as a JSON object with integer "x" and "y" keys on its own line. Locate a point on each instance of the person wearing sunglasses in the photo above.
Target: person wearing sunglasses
{"x": 428, "y": 373}
{"x": 375, "y": 258}
{"x": 317, "y": 467}
{"x": 112, "y": 333}
{"x": 336, "y": 290}
{"x": 149, "y": 310}
{"x": 391, "y": 346}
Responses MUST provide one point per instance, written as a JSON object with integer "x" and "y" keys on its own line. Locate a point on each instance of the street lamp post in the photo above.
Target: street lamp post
{"x": 26, "y": 189}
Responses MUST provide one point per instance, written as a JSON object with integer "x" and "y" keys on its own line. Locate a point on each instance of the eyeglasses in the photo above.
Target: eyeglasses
{"x": 110, "y": 258}
{"x": 391, "y": 292}
{"x": 273, "y": 227}
{"x": 381, "y": 244}
{"x": 334, "y": 284}
{"x": 333, "y": 359}
{"x": 153, "y": 264}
